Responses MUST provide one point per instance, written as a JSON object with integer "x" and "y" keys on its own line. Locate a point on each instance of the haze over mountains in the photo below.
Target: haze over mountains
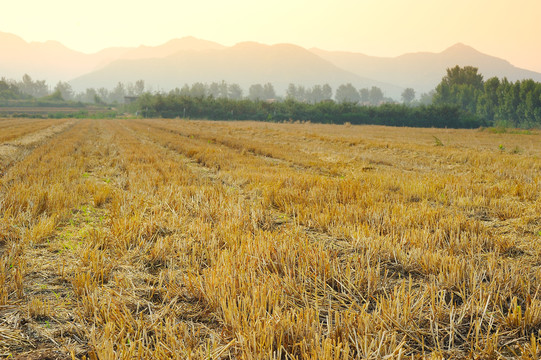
{"x": 423, "y": 71}
{"x": 189, "y": 60}
{"x": 245, "y": 63}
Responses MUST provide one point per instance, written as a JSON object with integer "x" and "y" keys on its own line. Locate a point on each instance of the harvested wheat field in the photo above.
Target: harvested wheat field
{"x": 159, "y": 239}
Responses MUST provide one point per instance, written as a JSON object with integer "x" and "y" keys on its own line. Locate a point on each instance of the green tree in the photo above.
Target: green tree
{"x": 139, "y": 87}
{"x": 461, "y": 86}
{"x": 408, "y": 95}
{"x": 347, "y": 94}
{"x": 316, "y": 94}
{"x": 487, "y": 102}
{"x": 56, "y": 96}
{"x": 65, "y": 90}
{"x": 255, "y": 92}
{"x": 9, "y": 90}
{"x": 87, "y": 96}
{"x": 103, "y": 94}
{"x": 35, "y": 89}
{"x": 327, "y": 92}
{"x": 234, "y": 92}
{"x": 376, "y": 95}
{"x": 185, "y": 90}
{"x": 365, "y": 95}
{"x": 508, "y": 102}
{"x": 214, "y": 90}
{"x": 302, "y": 94}
{"x": 291, "y": 92}
{"x": 427, "y": 98}
{"x": 223, "y": 90}
{"x": 268, "y": 91}
{"x": 118, "y": 93}
{"x": 198, "y": 90}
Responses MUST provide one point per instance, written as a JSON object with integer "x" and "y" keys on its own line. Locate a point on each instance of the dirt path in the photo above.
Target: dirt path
{"x": 10, "y": 147}
{"x": 16, "y": 150}
{"x": 38, "y": 320}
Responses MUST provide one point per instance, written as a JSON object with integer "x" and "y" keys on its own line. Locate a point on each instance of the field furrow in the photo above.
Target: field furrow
{"x": 418, "y": 235}
{"x": 38, "y": 196}
{"x": 13, "y": 130}
{"x": 340, "y": 156}
{"x": 26, "y": 136}
{"x": 182, "y": 239}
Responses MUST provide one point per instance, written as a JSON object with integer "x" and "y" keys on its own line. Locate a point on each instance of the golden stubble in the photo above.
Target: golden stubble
{"x": 195, "y": 239}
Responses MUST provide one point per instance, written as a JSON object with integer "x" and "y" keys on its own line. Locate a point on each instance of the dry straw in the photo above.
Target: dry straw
{"x": 167, "y": 239}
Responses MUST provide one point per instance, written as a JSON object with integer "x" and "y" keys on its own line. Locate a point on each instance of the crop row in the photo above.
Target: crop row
{"x": 178, "y": 239}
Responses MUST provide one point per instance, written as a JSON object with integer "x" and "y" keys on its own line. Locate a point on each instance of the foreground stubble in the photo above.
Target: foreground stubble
{"x": 183, "y": 239}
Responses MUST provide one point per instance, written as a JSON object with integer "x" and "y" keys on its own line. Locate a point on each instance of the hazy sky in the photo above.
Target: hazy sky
{"x": 503, "y": 28}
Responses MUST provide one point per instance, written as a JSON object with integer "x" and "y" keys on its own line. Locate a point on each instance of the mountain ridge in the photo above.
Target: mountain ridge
{"x": 424, "y": 70}
{"x": 245, "y": 63}
{"x": 189, "y": 59}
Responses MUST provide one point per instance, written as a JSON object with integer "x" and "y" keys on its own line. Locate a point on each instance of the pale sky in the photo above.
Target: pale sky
{"x": 503, "y": 28}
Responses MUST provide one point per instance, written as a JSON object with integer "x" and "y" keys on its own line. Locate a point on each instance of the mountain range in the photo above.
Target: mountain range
{"x": 189, "y": 60}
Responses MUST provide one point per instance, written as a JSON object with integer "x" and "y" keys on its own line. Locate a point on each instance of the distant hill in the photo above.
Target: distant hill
{"x": 423, "y": 71}
{"x": 189, "y": 60}
{"x": 49, "y": 60}
{"x": 245, "y": 63}
{"x": 171, "y": 47}
{"x": 53, "y": 61}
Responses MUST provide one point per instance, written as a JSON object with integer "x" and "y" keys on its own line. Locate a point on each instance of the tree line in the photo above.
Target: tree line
{"x": 495, "y": 102}
{"x": 28, "y": 88}
{"x": 173, "y": 105}
{"x": 462, "y": 99}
